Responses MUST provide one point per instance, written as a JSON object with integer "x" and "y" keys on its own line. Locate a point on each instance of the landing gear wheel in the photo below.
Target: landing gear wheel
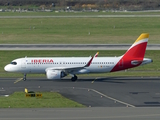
{"x": 24, "y": 78}
{"x": 74, "y": 78}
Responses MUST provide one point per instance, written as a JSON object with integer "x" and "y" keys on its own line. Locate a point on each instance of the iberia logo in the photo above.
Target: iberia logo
{"x": 42, "y": 61}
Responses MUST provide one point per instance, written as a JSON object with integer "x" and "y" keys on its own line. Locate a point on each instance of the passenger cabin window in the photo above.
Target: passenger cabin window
{"x": 14, "y": 63}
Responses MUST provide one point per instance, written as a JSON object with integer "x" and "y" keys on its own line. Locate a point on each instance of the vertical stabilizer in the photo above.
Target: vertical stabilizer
{"x": 134, "y": 55}
{"x": 137, "y": 50}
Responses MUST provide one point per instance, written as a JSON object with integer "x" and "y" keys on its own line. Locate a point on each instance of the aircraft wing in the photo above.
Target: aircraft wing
{"x": 69, "y": 70}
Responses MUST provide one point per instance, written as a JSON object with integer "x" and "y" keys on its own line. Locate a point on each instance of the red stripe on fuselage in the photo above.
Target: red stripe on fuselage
{"x": 135, "y": 53}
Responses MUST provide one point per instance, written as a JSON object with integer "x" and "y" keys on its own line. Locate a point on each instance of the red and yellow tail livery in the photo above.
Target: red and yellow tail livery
{"x": 134, "y": 55}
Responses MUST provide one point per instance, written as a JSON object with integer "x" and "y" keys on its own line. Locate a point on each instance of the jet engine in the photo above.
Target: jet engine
{"x": 55, "y": 74}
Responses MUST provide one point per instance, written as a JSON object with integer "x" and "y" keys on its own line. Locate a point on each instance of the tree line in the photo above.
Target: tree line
{"x": 98, "y": 4}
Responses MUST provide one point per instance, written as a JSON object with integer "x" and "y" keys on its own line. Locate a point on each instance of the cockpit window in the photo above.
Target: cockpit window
{"x": 14, "y": 63}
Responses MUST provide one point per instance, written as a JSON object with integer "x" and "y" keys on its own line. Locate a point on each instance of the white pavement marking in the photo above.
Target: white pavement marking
{"x": 128, "y": 105}
{"x": 118, "y": 101}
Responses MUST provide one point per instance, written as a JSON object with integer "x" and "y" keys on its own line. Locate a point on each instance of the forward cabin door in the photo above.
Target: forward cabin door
{"x": 23, "y": 63}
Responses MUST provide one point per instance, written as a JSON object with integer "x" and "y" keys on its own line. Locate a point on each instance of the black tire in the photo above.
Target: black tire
{"x": 74, "y": 78}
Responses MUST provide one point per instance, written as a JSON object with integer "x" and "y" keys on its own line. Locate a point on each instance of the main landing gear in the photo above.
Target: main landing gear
{"x": 74, "y": 78}
{"x": 24, "y": 77}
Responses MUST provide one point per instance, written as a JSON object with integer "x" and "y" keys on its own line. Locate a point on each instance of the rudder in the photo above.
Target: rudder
{"x": 134, "y": 55}
{"x": 137, "y": 50}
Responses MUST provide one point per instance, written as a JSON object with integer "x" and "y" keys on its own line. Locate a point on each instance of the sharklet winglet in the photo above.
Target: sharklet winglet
{"x": 90, "y": 61}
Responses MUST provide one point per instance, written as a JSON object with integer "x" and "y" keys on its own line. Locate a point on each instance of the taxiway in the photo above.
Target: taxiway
{"x": 116, "y": 98}
{"x": 94, "y": 92}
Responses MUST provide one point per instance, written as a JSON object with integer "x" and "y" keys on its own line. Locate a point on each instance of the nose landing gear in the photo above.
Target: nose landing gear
{"x": 24, "y": 78}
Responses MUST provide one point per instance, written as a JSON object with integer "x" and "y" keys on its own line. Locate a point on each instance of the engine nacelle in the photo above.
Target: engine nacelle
{"x": 55, "y": 74}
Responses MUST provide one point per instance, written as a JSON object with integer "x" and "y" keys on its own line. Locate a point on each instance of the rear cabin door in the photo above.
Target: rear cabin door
{"x": 121, "y": 63}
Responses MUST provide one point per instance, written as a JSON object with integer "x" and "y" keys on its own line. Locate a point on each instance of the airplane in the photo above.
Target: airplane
{"x": 56, "y": 68}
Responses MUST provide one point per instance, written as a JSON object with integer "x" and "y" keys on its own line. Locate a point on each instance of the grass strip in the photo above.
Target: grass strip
{"x": 48, "y": 100}
{"x": 77, "y": 30}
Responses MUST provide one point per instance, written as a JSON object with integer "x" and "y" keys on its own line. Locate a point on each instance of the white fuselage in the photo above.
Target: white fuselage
{"x": 40, "y": 64}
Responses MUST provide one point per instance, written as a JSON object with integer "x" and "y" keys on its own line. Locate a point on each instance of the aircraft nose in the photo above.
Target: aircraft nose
{"x": 6, "y": 68}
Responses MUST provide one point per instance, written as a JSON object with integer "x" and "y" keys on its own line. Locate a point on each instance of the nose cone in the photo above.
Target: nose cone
{"x": 7, "y": 68}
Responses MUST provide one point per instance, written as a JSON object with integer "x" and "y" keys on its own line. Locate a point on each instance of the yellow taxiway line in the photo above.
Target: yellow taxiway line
{"x": 94, "y": 80}
{"x": 18, "y": 80}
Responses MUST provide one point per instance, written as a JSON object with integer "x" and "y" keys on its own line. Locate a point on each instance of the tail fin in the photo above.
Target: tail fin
{"x": 134, "y": 55}
{"x": 137, "y": 50}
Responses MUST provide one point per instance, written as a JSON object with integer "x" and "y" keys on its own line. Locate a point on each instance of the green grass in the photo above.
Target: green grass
{"x": 48, "y": 100}
{"x": 152, "y": 69}
{"x": 76, "y": 30}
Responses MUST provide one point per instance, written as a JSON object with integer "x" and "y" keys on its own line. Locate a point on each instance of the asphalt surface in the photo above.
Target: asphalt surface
{"x": 81, "y": 114}
{"x": 105, "y": 98}
{"x": 72, "y": 46}
{"x": 94, "y": 92}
